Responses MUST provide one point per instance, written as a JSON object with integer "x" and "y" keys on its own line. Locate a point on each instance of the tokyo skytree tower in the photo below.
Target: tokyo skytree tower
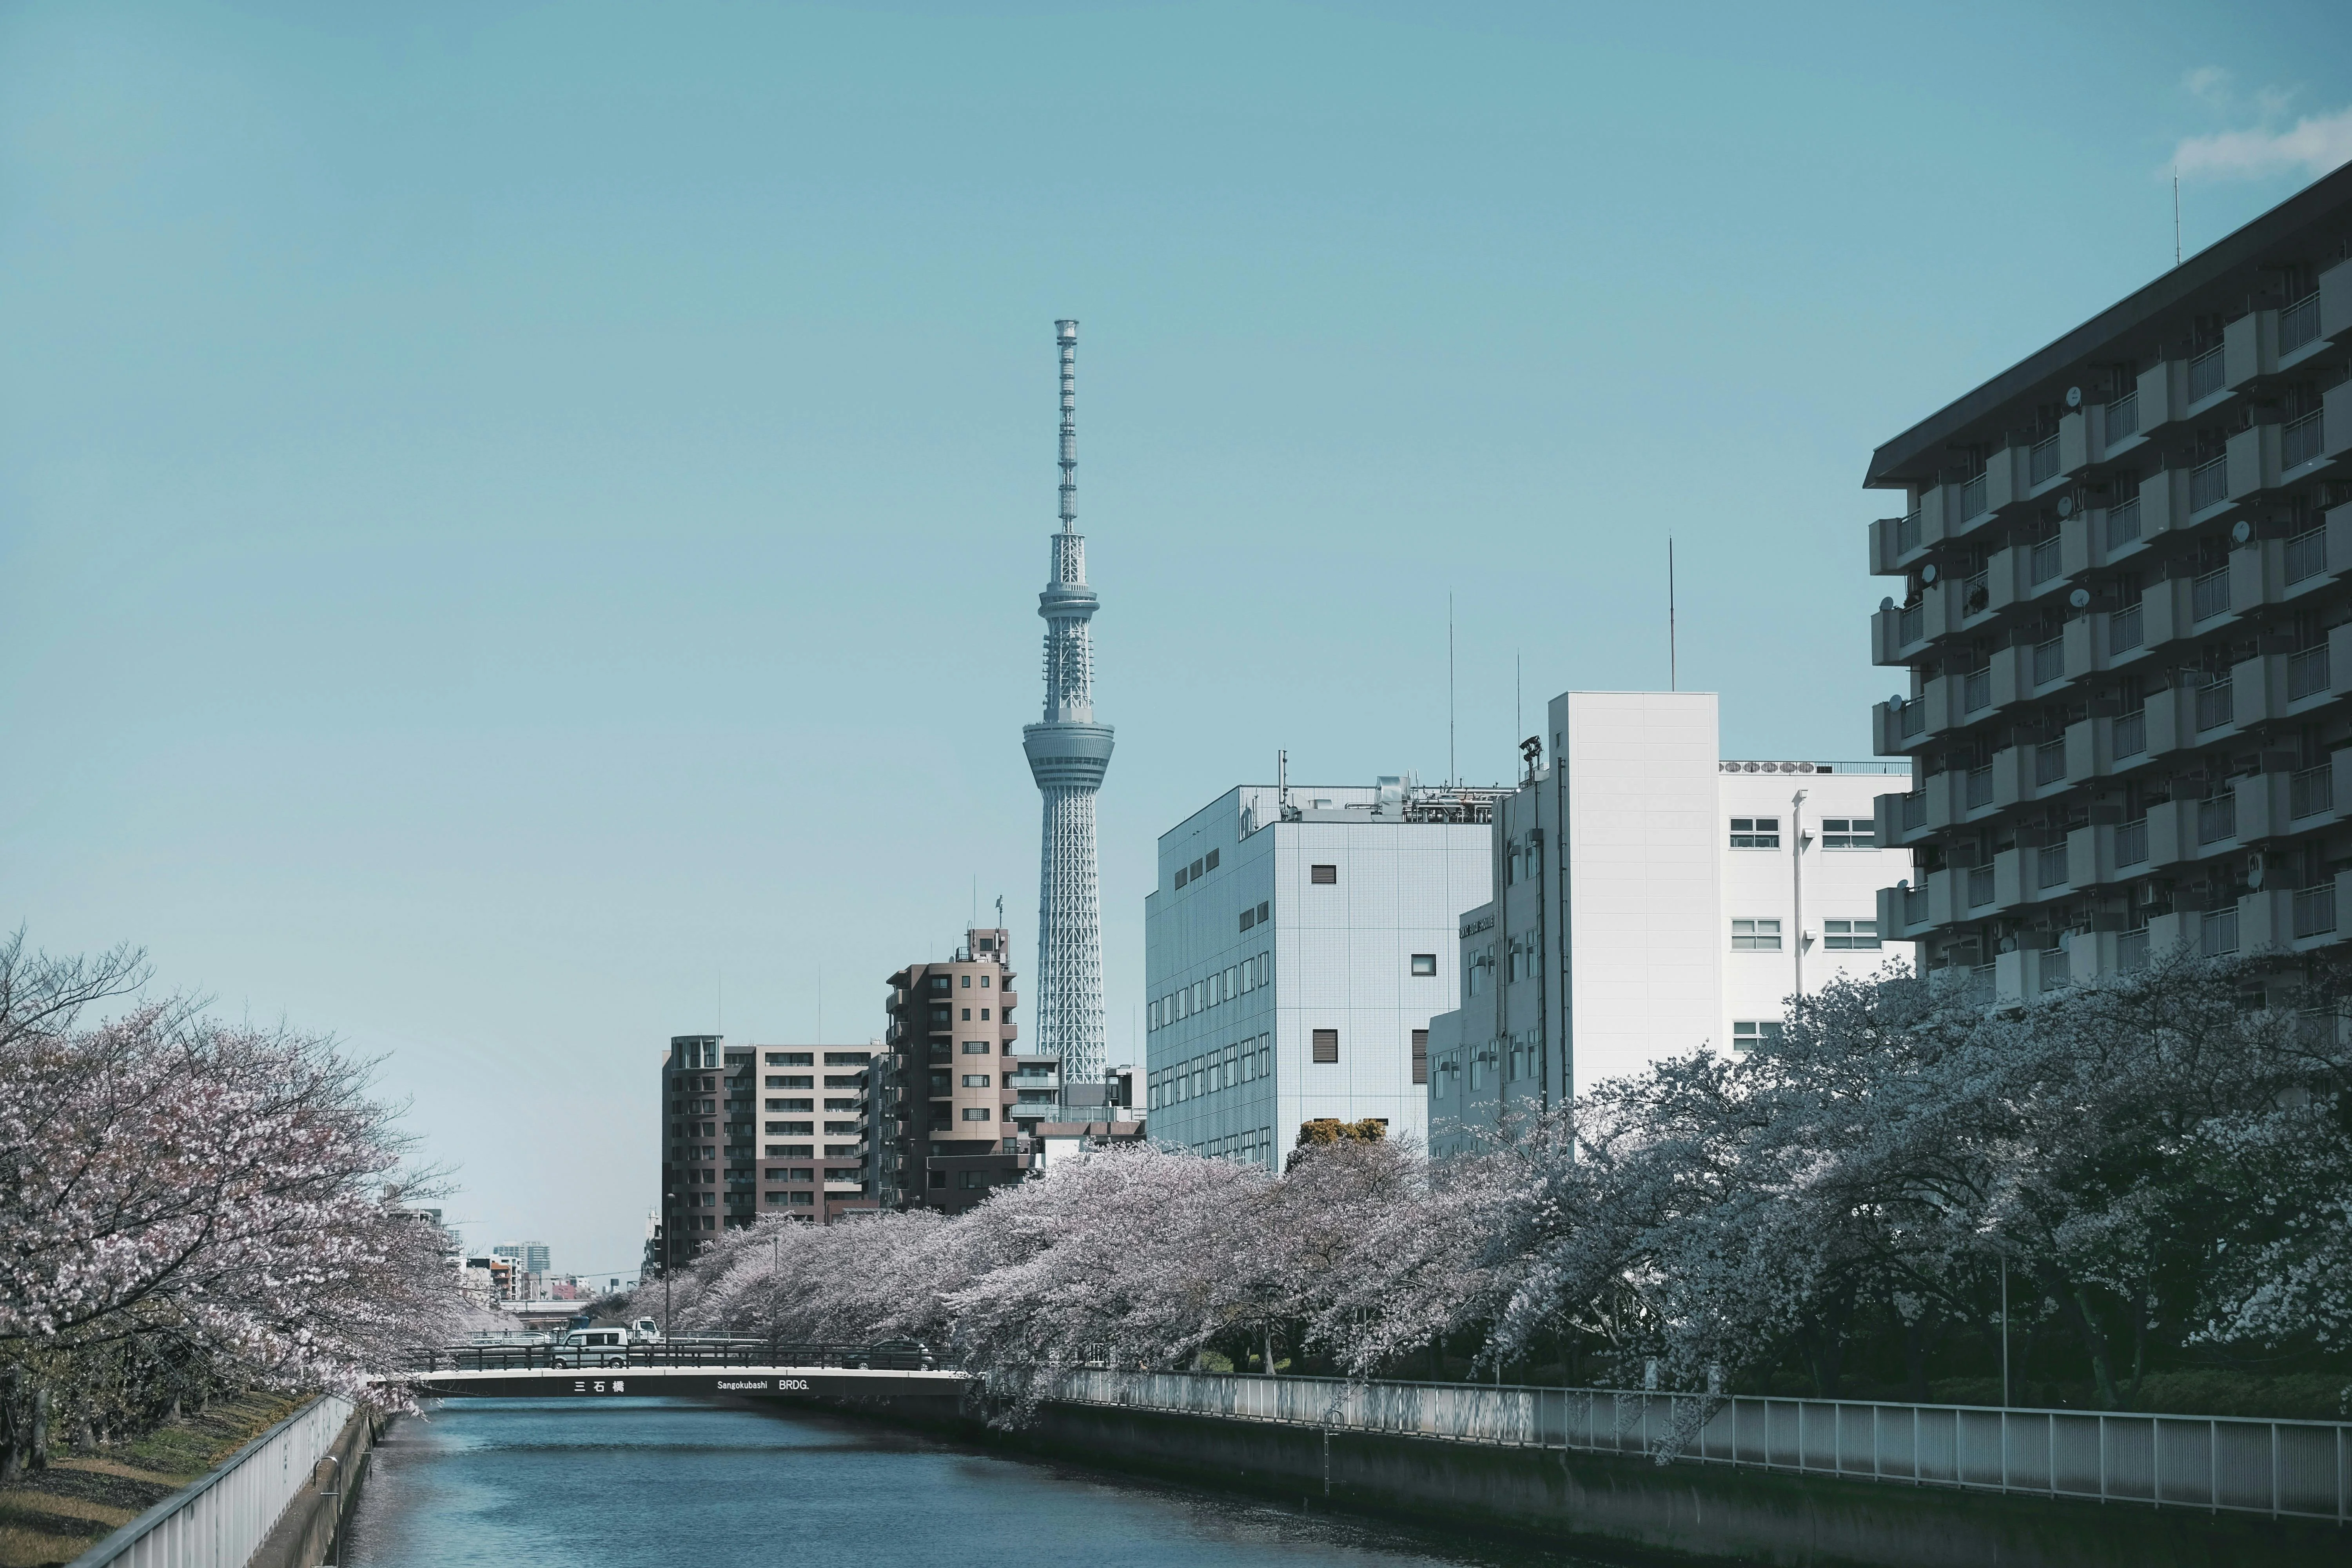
{"x": 1069, "y": 753}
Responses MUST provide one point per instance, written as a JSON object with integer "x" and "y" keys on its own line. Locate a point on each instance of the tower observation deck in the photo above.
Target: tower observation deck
{"x": 1069, "y": 754}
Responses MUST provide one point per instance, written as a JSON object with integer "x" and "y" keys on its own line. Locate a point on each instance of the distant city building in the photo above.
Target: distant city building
{"x": 2124, "y": 566}
{"x": 738, "y": 1117}
{"x": 947, "y": 1124}
{"x": 1647, "y": 896}
{"x": 530, "y": 1256}
{"x": 1295, "y": 948}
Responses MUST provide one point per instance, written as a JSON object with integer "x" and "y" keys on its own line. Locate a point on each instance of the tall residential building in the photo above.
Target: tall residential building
{"x": 1069, "y": 753}
{"x": 1646, "y": 897}
{"x": 2122, "y": 566}
{"x": 1295, "y": 948}
{"x": 946, "y": 1122}
{"x": 719, "y": 1172}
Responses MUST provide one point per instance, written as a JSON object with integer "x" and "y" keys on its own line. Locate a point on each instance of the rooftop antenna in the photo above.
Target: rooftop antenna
{"x": 1282, "y": 783}
{"x": 1451, "y": 778}
{"x": 1518, "y": 683}
{"x": 2176, "y": 214}
{"x": 1673, "y": 671}
{"x": 1000, "y": 912}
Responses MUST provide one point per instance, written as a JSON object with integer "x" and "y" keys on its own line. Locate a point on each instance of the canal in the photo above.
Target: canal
{"x": 653, "y": 1482}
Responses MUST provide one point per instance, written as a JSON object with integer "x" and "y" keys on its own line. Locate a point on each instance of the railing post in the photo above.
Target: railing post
{"x": 2212, "y": 1466}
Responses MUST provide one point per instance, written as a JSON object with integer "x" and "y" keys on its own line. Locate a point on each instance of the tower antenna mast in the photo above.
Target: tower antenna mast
{"x": 1069, "y": 754}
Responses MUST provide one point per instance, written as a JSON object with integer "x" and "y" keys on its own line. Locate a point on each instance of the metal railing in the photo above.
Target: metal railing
{"x": 2206, "y": 375}
{"x": 1979, "y": 788}
{"x": 2217, "y": 934}
{"x": 2307, "y": 554}
{"x": 2311, "y": 792}
{"x": 1914, "y": 812}
{"x": 2050, "y": 866}
{"x": 2123, "y": 524}
{"x": 2049, "y": 660}
{"x": 899, "y": 1355}
{"x": 2041, "y": 462}
{"x": 2131, "y": 951}
{"x": 2299, "y": 323}
{"x": 1972, "y": 500}
{"x": 2123, "y": 416}
{"x": 1906, "y": 534}
{"x": 1979, "y": 886}
{"x": 2131, "y": 842}
{"x": 2124, "y": 630}
{"x": 1911, "y": 625}
{"x": 1915, "y": 906}
{"x": 222, "y": 1519}
{"x": 2127, "y": 737}
{"x": 2055, "y": 968}
{"x": 2215, "y": 706}
{"x": 2315, "y": 909}
{"x": 2301, "y": 440}
{"x": 2283, "y": 1469}
{"x": 1914, "y": 719}
{"x": 2049, "y": 762}
{"x": 2209, "y": 595}
{"x": 1976, "y": 690}
{"x": 2217, "y": 818}
{"x": 1976, "y": 594}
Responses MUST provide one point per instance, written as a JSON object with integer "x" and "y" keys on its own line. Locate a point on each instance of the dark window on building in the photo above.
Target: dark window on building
{"x": 1182, "y": 876}
{"x": 1755, "y": 832}
{"x": 1264, "y": 912}
{"x": 1196, "y": 870}
{"x": 1249, "y": 918}
{"x": 1211, "y": 863}
{"x": 1327, "y": 1044}
{"x": 1323, "y": 875}
{"x": 939, "y": 982}
{"x": 967, "y": 982}
{"x": 1420, "y": 1056}
{"x": 1424, "y": 963}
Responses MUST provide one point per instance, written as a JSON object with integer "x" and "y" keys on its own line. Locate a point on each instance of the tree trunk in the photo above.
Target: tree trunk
{"x": 40, "y": 1444}
{"x": 1266, "y": 1332}
{"x": 2076, "y": 1306}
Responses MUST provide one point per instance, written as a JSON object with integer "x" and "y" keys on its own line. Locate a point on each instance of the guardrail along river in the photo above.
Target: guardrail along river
{"x": 656, "y": 1482}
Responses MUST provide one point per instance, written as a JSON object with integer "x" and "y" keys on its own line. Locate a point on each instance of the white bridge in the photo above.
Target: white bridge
{"x": 685, "y": 1381}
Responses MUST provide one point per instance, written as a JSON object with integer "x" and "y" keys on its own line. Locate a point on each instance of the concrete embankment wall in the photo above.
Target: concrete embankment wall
{"x": 1631, "y": 1506}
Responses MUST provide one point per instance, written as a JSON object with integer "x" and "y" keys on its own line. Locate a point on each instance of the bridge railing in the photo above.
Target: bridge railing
{"x": 894, "y": 1355}
{"x": 2294, "y": 1468}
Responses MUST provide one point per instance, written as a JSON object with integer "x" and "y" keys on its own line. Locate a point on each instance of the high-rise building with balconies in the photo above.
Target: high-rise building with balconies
{"x": 2126, "y": 620}
{"x": 951, "y": 1088}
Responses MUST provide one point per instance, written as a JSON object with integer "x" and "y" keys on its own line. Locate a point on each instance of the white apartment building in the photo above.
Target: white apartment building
{"x": 1295, "y": 946}
{"x": 1646, "y": 895}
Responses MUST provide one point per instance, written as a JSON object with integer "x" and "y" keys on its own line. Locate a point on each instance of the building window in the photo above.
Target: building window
{"x": 1209, "y": 864}
{"x": 1756, "y": 936}
{"x": 1746, "y": 1035}
{"x": 1264, "y": 912}
{"x": 792, "y": 1105}
{"x": 976, "y": 1114}
{"x": 975, "y": 1048}
{"x": 1323, "y": 875}
{"x": 1424, "y": 963}
{"x": 983, "y": 1015}
{"x": 983, "y": 979}
{"x": 791, "y": 1058}
{"x": 1249, "y": 918}
{"x": 1420, "y": 1056}
{"x": 792, "y": 1080}
{"x": 1196, "y": 870}
{"x": 1182, "y": 876}
{"x": 967, "y": 1014}
{"x": 1755, "y": 832}
{"x": 1849, "y": 935}
{"x": 975, "y": 1081}
{"x": 1327, "y": 1044}
{"x": 1849, "y": 833}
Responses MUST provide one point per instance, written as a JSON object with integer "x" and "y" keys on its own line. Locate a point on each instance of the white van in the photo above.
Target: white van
{"x": 594, "y": 1347}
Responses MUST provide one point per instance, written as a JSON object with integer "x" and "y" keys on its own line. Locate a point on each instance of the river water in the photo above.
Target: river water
{"x": 659, "y": 1482}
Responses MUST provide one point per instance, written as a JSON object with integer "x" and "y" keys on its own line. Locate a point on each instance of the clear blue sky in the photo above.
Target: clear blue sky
{"x": 508, "y": 512}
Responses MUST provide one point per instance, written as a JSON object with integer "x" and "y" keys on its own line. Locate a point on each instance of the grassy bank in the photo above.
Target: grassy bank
{"x": 52, "y": 1516}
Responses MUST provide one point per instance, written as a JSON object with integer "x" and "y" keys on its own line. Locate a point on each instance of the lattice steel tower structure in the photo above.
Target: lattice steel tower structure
{"x": 1069, "y": 753}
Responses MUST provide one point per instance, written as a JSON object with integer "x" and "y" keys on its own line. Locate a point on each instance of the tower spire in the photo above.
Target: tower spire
{"x": 1069, "y": 754}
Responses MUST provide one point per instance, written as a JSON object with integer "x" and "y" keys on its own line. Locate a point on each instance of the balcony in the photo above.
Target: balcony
{"x": 2209, "y": 596}
{"x": 2302, "y": 441}
{"x": 2307, "y": 554}
{"x": 1979, "y": 886}
{"x": 2124, "y": 631}
{"x": 2207, "y": 375}
{"x": 2315, "y": 911}
{"x": 2041, "y": 461}
{"x": 1976, "y": 690}
{"x": 1979, "y": 789}
{"x": 2127, "y": 735}
{"x": 1907, "y": 533}
{"x": 2123, "y": 417}
{"x": 2306, "y": 673}
{"x": 2049, "y": 662}
{"x": 2049, "y": 867}
{"x": 2131, "y": 844}
{"x": 2214, "y": 705}
{"x": 2131, "y": 952}
{"x": 2122, "y": 525}
{"x": 1973, "y": 500}
{"x": 2049, "y": 762}
{"x": 2217, "y": 934}
{"x": 2217, "y": 818}
{"x": 2298, "y": 324}
{"x": 2311, "y": 792}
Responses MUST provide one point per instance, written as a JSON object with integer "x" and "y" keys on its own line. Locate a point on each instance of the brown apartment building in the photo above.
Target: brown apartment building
{"x": 753, "y": 1129}
{"x": 945, "y": 1098}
